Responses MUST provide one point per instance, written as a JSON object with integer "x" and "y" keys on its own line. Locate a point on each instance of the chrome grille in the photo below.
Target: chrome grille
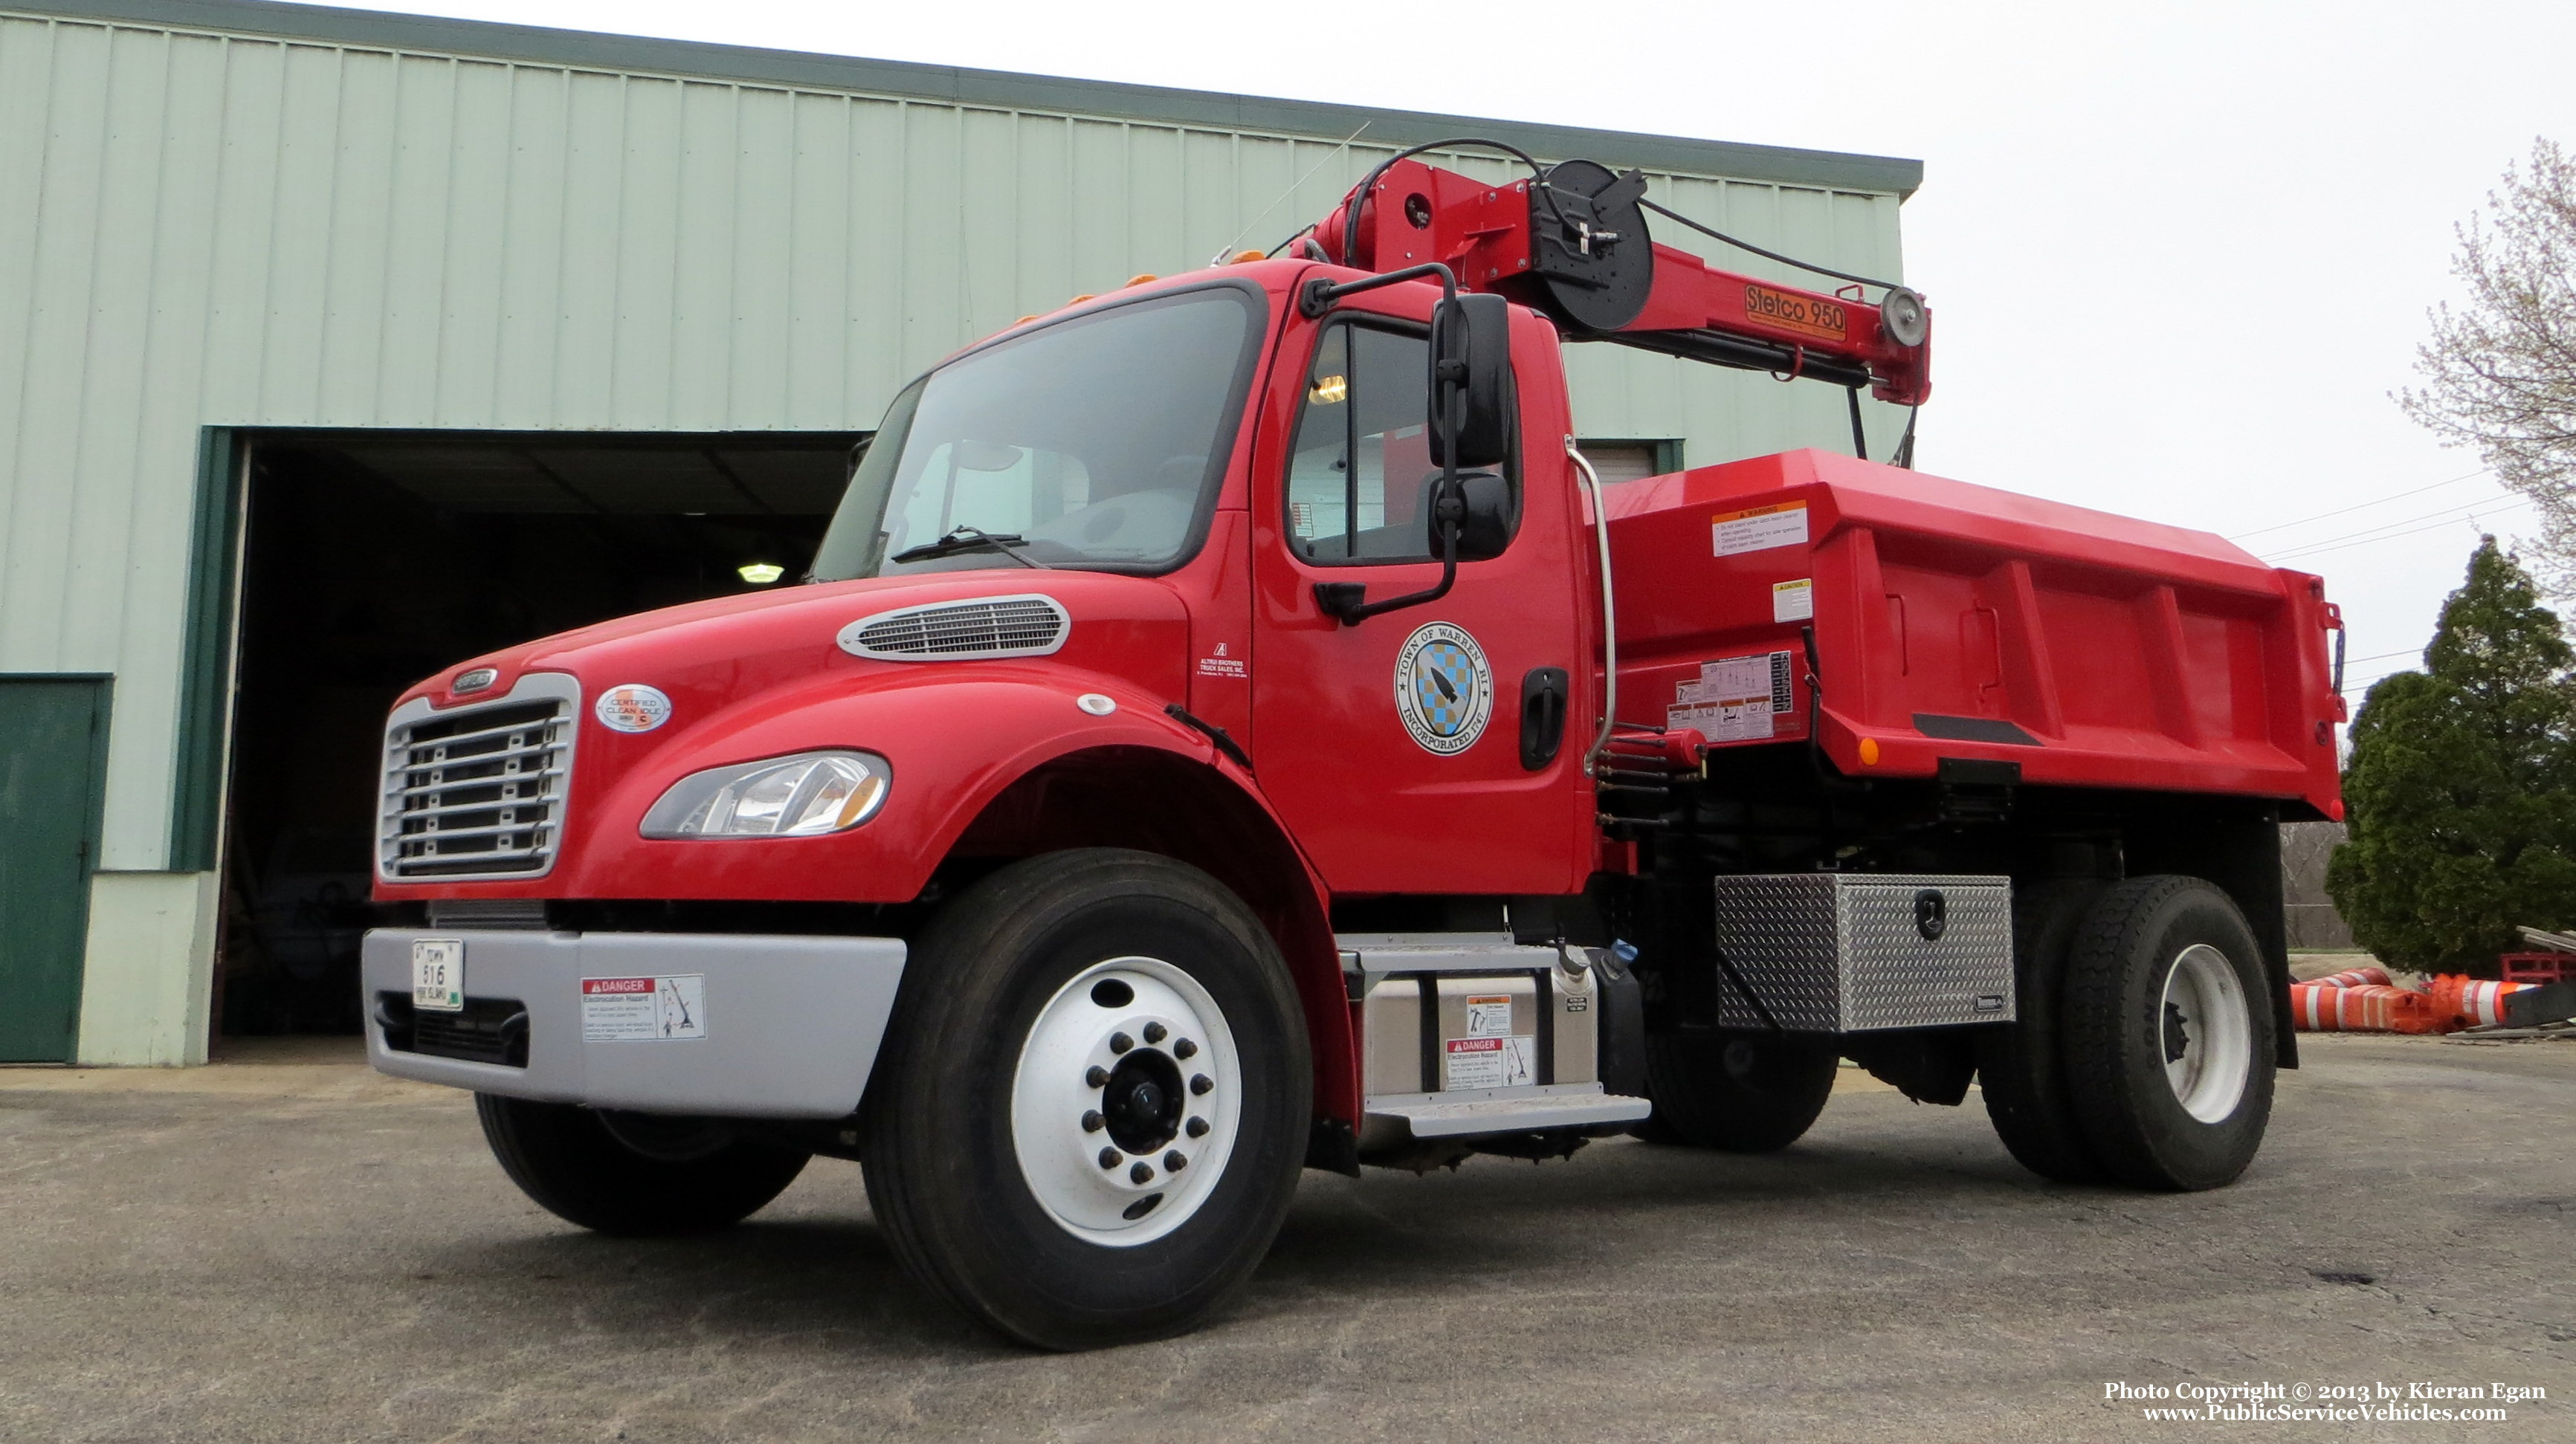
{"x": 1022, "y": 626}
{"x": 478, "y": 792}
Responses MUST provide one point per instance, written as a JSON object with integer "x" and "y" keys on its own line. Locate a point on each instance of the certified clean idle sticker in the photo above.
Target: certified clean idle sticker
{"x": 643, "y": 1010}
{"x": 1444, "y": 690}
{"x": 632, "y": 707}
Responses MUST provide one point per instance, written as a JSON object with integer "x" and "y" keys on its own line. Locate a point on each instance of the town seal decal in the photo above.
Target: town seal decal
{"x": 1444, "y": 690}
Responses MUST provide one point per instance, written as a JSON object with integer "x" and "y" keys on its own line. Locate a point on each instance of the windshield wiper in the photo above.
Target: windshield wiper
{"x": 969, "y": 539}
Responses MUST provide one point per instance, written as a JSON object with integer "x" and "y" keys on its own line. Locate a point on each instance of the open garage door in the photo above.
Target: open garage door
{"x": 374, "y": 559}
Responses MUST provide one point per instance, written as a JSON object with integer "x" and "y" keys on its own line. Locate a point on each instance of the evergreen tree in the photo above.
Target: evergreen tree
{"x": 2461, "y": 789}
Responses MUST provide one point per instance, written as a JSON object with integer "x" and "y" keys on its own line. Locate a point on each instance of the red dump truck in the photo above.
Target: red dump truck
{"x": 1229, "y": 729}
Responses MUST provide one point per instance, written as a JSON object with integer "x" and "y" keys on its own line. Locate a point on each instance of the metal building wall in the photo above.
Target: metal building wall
{"x": 204, "y": 229}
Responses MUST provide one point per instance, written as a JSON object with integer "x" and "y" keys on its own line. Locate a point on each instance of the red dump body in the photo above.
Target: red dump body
{"x": 1958, "y": 621}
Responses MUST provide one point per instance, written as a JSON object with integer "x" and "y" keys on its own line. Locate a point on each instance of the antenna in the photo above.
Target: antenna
{"x": 1221, "y": 256}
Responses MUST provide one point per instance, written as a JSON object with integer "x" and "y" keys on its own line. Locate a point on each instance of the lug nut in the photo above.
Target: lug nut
{"x": 1098, "y": 1077}
{"x": 1175, "y": 1161}
{"x": 1155, "y": 1033}
{"x": 1185, "y": 1049}
{"x": 1141, "y": 1173}
{"x": 1109, "y": 1158}
{"x": 1200, "y": 1083}
{"x": 1092, "y": 1122}
{"x": 1198, "y": 1128}
{"x": 1120, "y": 1042}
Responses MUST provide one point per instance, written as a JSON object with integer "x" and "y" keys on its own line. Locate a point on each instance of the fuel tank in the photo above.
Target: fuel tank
{"x": 1902, "y": 619}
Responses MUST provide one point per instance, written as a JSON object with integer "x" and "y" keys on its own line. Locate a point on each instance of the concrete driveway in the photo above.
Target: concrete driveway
{"x": 297, "y": 1249}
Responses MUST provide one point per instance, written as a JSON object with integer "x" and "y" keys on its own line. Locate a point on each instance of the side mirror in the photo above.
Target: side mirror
{"x": 1485, "y": 522}
{"x": 1471, "y": 381}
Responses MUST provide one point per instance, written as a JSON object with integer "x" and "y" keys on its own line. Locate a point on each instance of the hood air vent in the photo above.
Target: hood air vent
{"x": 1022, "y": 626}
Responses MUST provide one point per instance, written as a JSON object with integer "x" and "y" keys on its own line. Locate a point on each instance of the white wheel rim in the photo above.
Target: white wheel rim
{"x": 2207, "y": 1035}
{"x": 1067, "y": 1123}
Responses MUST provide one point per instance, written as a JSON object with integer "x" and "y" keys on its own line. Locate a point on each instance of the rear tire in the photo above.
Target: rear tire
{"x": 1737, "y": 1092}
{"x": 1035, "y": 1093}
{"x": 632, "y": 1175}
{"x": 2019, "y": 1067}
{"x": 2168, "y": 1036}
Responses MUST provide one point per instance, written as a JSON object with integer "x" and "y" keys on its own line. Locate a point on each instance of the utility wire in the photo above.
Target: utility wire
{"x": 2359, "y": 505}
{"x": 2438, "y": 520}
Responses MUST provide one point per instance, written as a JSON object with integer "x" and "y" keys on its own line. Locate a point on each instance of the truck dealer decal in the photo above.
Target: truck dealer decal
{"x": 1444, "y": 689}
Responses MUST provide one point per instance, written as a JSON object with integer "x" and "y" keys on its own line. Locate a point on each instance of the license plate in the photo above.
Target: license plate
{"x": 438, "y": 974}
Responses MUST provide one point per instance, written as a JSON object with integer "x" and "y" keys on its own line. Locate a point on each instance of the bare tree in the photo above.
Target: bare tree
{"x": 2500, "y": 372}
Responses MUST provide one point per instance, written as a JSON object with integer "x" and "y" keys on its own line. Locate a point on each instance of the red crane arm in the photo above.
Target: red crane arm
{"x": 1577, "y": 249}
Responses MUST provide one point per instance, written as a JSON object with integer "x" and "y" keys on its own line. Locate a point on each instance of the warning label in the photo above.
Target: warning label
{"x": 1489, "y": 1017}
{"x": 1735, "y": 699}
{"x": 1488, "y": 1062}
{"x": 1783, "y": 524}
{"x": 643, "y": 1010}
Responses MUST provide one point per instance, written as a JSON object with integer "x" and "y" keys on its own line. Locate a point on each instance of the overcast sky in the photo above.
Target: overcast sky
{"x": 2180, "y": 253}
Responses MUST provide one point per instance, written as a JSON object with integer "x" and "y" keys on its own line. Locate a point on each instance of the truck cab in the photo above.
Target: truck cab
{"x": 1228, "y": 729}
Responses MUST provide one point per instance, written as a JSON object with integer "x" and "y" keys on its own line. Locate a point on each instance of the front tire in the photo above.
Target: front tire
{"x": 1738, "y": 1092}
{"x": 2168, "y": 1025}
{"x": 1093, "y": 1103}
{"x": 632, "y": 1175}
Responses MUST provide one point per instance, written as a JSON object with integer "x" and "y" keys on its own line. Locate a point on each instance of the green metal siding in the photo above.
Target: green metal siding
{"x": 203, "y": 230}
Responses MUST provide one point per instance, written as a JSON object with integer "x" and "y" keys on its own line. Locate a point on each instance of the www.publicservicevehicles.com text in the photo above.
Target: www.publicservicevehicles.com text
{"x": 2413, "y": 1401}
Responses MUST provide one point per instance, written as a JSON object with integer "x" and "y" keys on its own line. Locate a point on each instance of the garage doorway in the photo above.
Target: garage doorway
{"x": 373, "y": 559}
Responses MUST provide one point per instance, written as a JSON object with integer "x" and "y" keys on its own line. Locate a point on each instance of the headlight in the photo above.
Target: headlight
{"x": 806, "y": 795}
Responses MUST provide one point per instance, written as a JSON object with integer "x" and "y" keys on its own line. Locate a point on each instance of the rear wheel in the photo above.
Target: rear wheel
{"x": 633, "y": 1174}
{"x": 2168, "y": 1034}
{"x": 2018, "y": 1063}
{"x": 1740, "y": 1092}
{"x": 1093, "y": 1103}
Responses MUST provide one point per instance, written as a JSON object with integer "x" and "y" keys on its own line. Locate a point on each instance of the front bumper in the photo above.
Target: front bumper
{"x": 757, "y": 1026}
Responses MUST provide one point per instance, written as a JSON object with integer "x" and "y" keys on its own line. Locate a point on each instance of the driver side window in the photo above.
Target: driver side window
{"x": 1360, "y": 471}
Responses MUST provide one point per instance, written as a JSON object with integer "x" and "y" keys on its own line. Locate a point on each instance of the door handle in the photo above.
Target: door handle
{"x": 1544, "y": 694}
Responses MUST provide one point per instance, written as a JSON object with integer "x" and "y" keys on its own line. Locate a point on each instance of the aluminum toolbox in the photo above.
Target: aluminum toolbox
{"x": 1856, "y": 952}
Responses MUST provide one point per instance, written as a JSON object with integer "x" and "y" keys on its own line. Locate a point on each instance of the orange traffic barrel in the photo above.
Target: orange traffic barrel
{"x": 2356, "y": 978}
{"x": 2467, "y": 1002}
{"x": 2324, "y": 1007}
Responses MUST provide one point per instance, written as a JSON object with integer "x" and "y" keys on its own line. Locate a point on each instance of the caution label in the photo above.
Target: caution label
{"x": 1782, "y": 524}
{"x": 643, "y": 1010}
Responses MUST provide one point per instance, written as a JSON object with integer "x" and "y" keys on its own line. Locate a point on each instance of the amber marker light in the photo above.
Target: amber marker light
{"x": 1869, "y": 752}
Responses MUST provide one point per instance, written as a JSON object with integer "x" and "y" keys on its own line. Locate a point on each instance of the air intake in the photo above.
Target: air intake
{"x": 1021, "y": 626}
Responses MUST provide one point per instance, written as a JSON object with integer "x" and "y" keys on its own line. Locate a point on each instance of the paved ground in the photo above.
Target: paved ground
{"x": 298, "y": 1250}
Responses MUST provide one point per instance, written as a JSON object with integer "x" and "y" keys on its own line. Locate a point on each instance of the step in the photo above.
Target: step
{"x": 1507, "y": 1110}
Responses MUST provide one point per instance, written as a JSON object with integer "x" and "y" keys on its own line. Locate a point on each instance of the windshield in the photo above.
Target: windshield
{"x": 1095, "y": 442}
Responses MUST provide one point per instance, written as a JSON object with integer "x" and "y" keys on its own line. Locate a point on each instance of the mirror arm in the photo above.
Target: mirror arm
{"x": 1348, "y": 601}
{"x": 1318, "y": 295}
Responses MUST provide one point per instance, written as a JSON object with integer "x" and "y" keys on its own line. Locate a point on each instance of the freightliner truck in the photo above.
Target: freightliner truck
{"x": 1229, "y": 729}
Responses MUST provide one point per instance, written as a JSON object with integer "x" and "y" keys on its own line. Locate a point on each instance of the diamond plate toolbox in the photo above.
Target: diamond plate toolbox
{"x": 1856, "y": 952}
